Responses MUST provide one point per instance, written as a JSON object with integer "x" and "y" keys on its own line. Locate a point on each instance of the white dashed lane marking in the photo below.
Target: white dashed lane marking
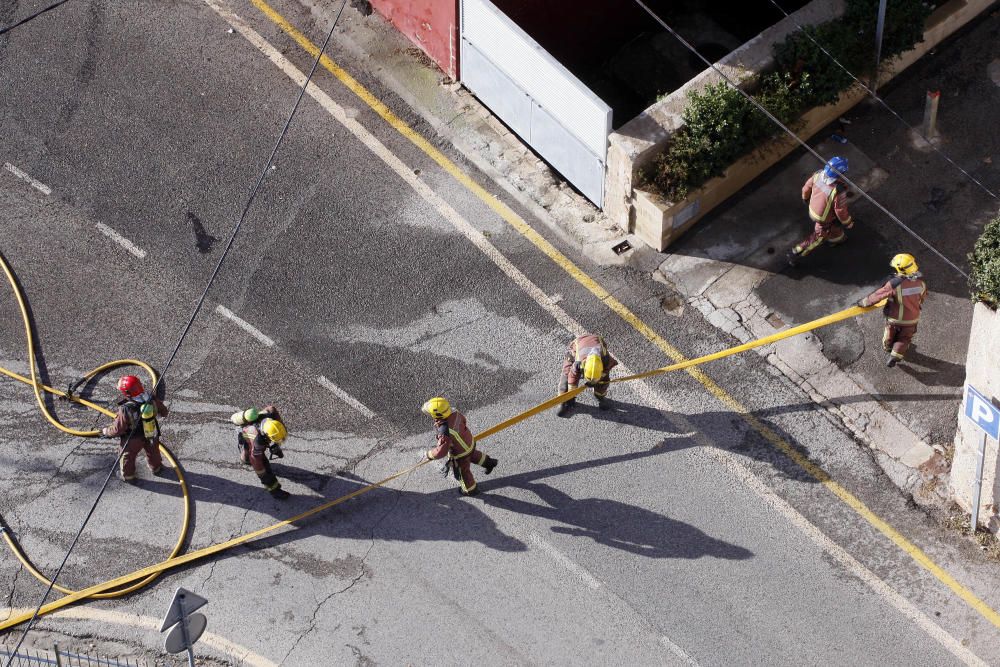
{"x": 346, "y": 398}
{"x": 38, "y": 185}
{"x": 246, "y": 326}
{"x": 121, "y": 240}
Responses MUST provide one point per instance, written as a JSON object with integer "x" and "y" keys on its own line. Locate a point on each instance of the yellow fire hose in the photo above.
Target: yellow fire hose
{"x": 38, "y": 387}
{"x": 113, "y": 587}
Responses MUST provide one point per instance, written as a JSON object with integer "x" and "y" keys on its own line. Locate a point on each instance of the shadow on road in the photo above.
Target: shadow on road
{"x": 401, "y": 515}
{"x": 616, "y": 524}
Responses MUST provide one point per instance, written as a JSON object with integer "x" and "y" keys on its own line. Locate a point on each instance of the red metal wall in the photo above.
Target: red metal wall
{"x": 430, "y": 24}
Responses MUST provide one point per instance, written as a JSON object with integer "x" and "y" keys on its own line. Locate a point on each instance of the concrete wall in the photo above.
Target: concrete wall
{"x": 430, "y": 24}
{"x": 982, "y": 371}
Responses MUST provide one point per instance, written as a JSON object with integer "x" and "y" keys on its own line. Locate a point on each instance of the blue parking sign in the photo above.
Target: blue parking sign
{"x": 982, "y": 412}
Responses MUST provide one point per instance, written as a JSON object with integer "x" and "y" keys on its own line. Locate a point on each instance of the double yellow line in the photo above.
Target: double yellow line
{"x": 629, "y": 317}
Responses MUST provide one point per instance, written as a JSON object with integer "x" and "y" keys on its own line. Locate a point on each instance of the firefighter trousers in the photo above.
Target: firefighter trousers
{"x": 131, "y": 451}
{"x": 831, "y": 232}
{"x": 464, "y": 465}
{"x": 897, "y": 338}
{"x": 600, "y": 388}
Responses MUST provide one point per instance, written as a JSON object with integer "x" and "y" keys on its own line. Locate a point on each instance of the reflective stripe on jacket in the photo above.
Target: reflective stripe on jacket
{"x": 826, "y": 199}
{"x": 454, "y": 437}
{"x": 905, "y": 296}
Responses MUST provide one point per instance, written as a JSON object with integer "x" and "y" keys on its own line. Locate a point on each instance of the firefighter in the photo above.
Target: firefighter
{"x": 137, "y": 427}
{"x": 261, "y": 432}
{"x": 587, "y": 356}
{"x": 455, "y": 441}
{"x": 904, "y": 294}
{"x": 825, "y": 193}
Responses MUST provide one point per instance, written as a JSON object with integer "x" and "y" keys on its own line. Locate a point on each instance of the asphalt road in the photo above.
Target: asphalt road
{"x": 666, "y": 531}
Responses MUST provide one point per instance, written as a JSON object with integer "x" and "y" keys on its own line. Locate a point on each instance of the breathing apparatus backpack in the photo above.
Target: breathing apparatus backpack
{"x": 143, "y": 408}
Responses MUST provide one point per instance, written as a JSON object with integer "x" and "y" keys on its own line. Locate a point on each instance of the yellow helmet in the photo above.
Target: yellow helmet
{"x": 593, "y": 368}
{"x": 273, "y": 429}
{"x": 437, "y": 407}
{"x": 904, "y": 264}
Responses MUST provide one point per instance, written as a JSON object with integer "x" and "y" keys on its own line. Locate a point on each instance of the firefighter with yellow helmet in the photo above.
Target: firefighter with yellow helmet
{"x": 904, "y": 295}
{"x": 587, "y": 357}
{"x": 455, "y": 440}
{"x": 261, "y": 433}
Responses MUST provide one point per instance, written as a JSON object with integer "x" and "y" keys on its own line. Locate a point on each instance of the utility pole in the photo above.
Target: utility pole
{"x": 879, "y": 27}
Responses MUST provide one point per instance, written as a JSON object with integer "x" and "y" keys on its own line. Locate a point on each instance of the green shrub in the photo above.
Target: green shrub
{"x": 720, "y": 125}
{"x": 985, "y": 262}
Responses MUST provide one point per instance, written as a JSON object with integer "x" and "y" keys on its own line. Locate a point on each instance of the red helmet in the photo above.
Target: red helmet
{"x": 130, "y": 386}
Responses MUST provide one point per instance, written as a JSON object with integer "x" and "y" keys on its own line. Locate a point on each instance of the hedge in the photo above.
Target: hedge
{"x": 720, "y": 125}
{"x": 985, "y": 262}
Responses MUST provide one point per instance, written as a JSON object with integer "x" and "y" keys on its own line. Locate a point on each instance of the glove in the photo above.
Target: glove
{"x": 275, "y": 452}
{"x": 427, "y": 455}
{"x": 861, "y": 303}
{"x": 849, "y": 226}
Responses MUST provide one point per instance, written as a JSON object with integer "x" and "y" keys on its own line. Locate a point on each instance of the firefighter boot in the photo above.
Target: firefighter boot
{"x": 279, "y": 493}
{"x": 891, "y": 360}
{"x": 603, "y": 403}
{"x": 564, "y": 408}
{"x": 489, "y": 464}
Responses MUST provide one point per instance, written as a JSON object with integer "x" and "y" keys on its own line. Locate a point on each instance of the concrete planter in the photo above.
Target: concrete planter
{"x": 636, "y": 145}
{"x": 982, "y": 371}
{"x": 658, "y": 222}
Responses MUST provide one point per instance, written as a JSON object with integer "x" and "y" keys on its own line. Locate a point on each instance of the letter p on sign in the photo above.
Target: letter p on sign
{"x": 982, "y": 412}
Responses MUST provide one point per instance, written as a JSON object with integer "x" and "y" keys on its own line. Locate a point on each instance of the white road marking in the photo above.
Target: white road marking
{"x": 897, "y": 601}
{"x": 678, "y": 651}
{"x": 246, "y": 326}
{"x": 121, "y": 240}
{"x": 346, "y": 398}
{"x": 565, "y": 561}
{"x": 38, "y": 185}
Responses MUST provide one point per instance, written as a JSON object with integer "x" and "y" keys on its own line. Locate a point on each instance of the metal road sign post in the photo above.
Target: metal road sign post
{"x": 188, "y": 626}
{"x": 986, "y": 416}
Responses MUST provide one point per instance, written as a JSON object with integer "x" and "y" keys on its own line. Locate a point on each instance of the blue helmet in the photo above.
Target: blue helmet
{"x": 835, "y": 167}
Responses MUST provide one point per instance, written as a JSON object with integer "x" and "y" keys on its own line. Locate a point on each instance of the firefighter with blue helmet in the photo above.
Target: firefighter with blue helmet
{"x": 825, "y": 194}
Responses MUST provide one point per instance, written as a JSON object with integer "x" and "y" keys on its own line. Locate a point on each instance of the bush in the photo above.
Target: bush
{"x": 985, "y": 262}
{"x": 720, "y": 125}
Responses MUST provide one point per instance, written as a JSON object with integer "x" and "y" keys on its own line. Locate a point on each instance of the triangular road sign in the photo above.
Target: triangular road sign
{"x": 192, "y": 601}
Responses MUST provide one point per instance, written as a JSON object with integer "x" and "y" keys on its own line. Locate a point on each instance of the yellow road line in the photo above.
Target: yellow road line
{"x": 628, "y": 316}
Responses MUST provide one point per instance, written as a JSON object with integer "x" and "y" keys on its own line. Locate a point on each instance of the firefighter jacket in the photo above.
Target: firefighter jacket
{"x": 128, "y": 421}
{"x": 453, "y": 436}
{"x": 905, "y": 296}
{"x": 253, "y": 437}
{"x": 827, "y": 201}
{"x": 583, "y": 347}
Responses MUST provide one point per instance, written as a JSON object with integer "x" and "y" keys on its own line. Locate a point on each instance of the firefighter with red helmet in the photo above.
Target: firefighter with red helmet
{"x": 904, "y": 295}
{"x": 825, "y": 193}
{"x": 259, "y": 440}
{"x": 137, "y": 426}
{"x": 587, "y": 357}
{"x": 456, "y": 441}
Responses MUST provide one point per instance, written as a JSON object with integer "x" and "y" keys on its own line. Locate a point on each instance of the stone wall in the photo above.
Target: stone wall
{"x": 982, "y": 371}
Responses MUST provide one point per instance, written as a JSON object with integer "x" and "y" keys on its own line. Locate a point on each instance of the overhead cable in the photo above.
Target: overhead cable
{"x": 33, "y": 16}
{"x": 194, "y": 314}
{"x": 799, "y": 140}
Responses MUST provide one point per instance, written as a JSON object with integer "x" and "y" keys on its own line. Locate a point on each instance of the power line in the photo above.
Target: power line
{"x": 885, "y": 105}
{"x": 190, "y": 322}
{"x": 798, "y": 139}
{"x": 33, "y": 16}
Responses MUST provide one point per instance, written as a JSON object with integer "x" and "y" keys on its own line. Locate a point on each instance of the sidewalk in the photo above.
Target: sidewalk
{"x": 731, "y": 266}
